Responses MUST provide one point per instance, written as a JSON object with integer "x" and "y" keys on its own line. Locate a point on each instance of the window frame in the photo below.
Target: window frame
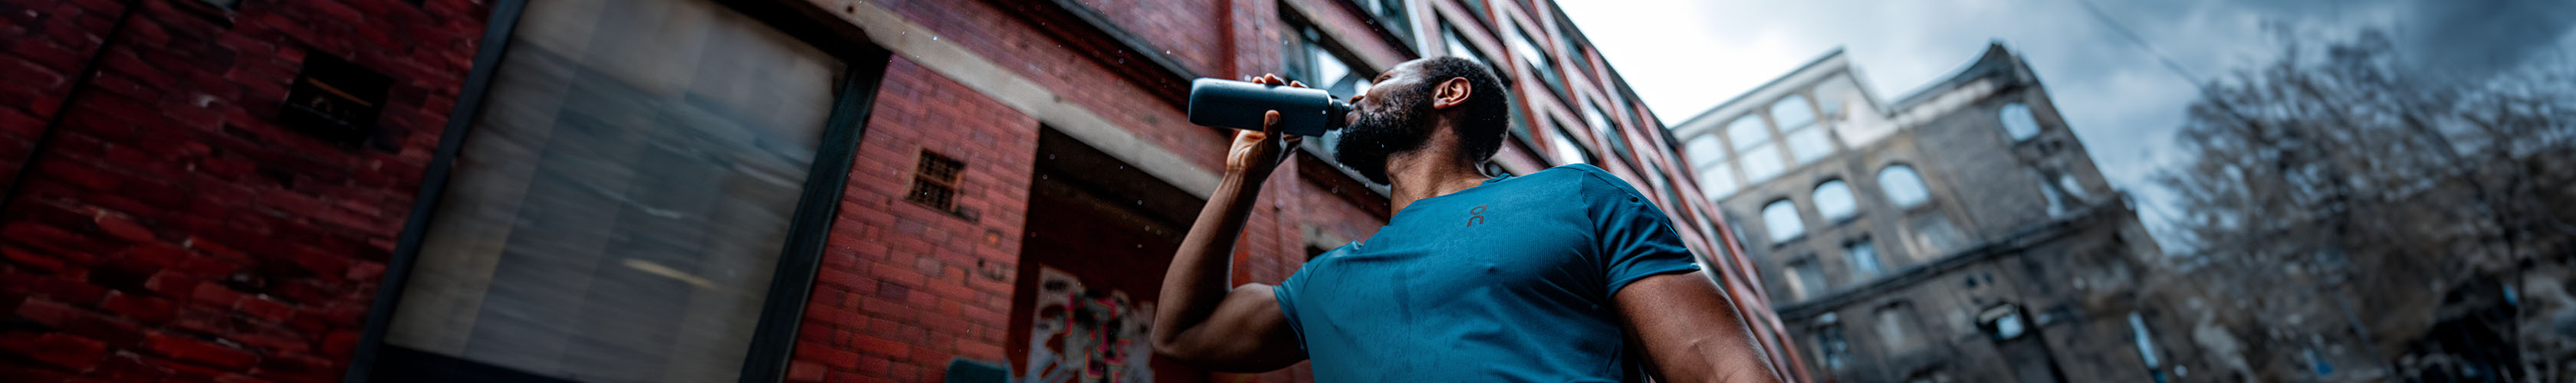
{"x": 782, "y": 309}
{"x": 1771, "y": 226}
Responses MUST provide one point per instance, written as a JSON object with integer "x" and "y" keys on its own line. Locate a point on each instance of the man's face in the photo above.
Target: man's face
{"x": 1392, "y": 117}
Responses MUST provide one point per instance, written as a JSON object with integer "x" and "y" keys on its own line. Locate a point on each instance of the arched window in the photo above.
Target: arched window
{"x": 1781, "y": 219}
{"x": 1793, "y": 112}
{"x": 1704, "y": 151}
{"x": 1834, "y": 200}
{"x": 2018, "y": 122}
{"x": 1904, "y": 188}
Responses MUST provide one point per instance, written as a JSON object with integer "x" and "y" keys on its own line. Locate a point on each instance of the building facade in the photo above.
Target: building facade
{"x": 1957, "y": 234}
{"x": 694, "y": 190}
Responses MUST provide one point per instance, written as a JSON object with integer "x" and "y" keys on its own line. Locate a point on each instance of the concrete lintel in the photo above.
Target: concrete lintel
{"x": 920, "y": 44}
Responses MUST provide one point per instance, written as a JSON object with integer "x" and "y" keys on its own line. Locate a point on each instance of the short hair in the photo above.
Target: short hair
{"x": 1485, "y": 115}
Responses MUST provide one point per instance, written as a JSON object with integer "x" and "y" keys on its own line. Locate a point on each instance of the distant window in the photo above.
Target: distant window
{"x": 1392, "y": 15}
{"x": 1608, "y": 132}
{"x": 1747, "y": 132}
{"x": 1781, "y": 219}
{"x": 2018, "y": 122}
{"x": 1864, "y": 259}
{"x": 2146, "y": 340}
{"x": 1932, "y": 235}
{"x": 1830, "y": 343}
{"x": 1540, "y": 63}
{"x": 1904, "y": 188}
{"x": 1704, "y": 151}
{"x": 2056, "y": 203}
{"x": 1564, "y": 149}
{"x": 1793, "y": 112}
{"x": 1760, "y": 164}
{"x": 1834, "y": 200}
{"x": 1311, "y": 62}
{"x": 1810, "y": 144}
{"x": 1717, "y": 181}
{"x": 1805, "y": 280}
{"x": 1894, "y": 321}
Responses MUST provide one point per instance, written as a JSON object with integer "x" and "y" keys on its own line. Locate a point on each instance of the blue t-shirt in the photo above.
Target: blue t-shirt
{"x": 1508, "y": 281}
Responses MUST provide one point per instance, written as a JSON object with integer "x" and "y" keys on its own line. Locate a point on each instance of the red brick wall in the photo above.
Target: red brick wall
{"x": 173, "y": 230}
{"x": 904, "y": 288}
{"x": 1190, "y": 29}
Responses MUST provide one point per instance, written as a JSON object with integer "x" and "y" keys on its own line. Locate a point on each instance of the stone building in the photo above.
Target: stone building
{"x": 1959, "y": 233}
{"x": 695, "y": 190}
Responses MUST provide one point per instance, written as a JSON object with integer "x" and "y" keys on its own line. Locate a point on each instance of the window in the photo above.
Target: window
{"x": 1932, "y": 234}
{"x": 1311, "y": 62}
{"x": 1540, "y": 63}
{"x": 1864, "y": 259}
{"x": 1894, "y": 321}
{"x": 1830, "y": 342}
{"x": 2056, "y": 204}
{"x": 1717, "y": 180}
{"x": 620, "y": 209}
{"x": 1834, "y": 200}
{"x": 1760, "y": 164}
{"x": 1564, "y": 149}
{"x": 1609, "y": 133}
{"x": 1904, "y": 188}
{"x": 1797, "y": 119}
{"x": 1753, "y": 149}
{"x": 2018, "y": 122}
{"x": 1805, "y": 280}
{"x": 1810, "y": 144}
{"x": 1748, "y": 132}
{"x": 1392, "y": 15}
{"x": 1704, "y": 151}
{"x": 2147, "y": 341}
{"x": 934, "y": 181}
{"x": 1792, "y": 112}
{"x": 1781, "y": 219}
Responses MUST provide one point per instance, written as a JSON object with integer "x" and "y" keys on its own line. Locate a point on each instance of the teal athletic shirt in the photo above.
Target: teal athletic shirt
{"x": 1508, "y": 281}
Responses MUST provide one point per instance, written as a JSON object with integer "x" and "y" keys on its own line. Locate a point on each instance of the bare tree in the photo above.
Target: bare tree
{"x": 2395, "y": 190}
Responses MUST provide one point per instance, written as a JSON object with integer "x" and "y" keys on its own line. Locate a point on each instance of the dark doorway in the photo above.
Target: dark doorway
{"x": 1099, "y": 236}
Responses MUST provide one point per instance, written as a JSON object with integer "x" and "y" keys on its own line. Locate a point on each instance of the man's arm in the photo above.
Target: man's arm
{"x": 1690, "y": 331}
{"x": 1201, "y": 321}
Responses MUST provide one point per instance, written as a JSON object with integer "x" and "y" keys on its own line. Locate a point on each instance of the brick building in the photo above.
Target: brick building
{"x": 1960, "y": 233}
{"x": 688, "y": 190}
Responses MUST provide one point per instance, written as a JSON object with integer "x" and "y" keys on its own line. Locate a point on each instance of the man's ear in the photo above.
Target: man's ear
{"x": 1450, "y": 93}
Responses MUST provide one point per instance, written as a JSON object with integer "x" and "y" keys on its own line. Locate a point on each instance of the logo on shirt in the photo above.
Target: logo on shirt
{"x": 1476, "y": 215}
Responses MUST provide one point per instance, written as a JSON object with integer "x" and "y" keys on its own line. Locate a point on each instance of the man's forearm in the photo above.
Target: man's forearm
{"x": 1196, "y": 282}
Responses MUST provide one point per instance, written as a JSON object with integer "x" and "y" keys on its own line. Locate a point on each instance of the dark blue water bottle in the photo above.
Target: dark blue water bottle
{"x": 1237, "y": 104}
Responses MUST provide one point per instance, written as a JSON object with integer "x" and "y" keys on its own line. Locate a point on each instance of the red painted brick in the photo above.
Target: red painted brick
{"x": 57, "y": 349}
{"x": 191, "y": 349}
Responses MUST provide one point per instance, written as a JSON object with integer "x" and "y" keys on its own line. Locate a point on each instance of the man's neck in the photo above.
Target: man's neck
{"x": 1431, "y": 172}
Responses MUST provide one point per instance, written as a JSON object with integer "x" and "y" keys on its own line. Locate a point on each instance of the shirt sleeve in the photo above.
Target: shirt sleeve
{"x": 1637, "y": 241}
{"x": 1286, "y": 294}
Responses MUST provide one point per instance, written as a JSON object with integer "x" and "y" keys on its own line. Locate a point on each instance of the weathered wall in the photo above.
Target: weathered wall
{"x": 171, "y": 229}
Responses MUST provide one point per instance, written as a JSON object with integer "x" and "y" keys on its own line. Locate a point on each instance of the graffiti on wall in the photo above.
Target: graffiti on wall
{"x": 1087, "y": 335}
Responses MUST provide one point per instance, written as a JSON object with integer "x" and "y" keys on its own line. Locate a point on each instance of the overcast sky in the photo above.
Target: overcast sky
{"x": 2116, "y": 95}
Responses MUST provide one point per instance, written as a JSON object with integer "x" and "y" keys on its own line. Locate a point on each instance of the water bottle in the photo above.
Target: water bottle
{"x": 1237, "y": 104}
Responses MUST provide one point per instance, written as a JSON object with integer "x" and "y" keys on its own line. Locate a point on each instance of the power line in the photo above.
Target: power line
{"x": 2124, "y": 31}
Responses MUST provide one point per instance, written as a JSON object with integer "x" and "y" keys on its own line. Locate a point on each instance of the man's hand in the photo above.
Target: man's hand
{"x": 1202, "y": 320}
{"x": 1255, "y": 153}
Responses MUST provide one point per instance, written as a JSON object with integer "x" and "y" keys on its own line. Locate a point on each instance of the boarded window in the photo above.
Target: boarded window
{"x": 623, "y": 199}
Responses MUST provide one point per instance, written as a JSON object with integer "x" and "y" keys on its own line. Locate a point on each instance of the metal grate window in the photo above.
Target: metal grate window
{"x": 934, "y": 181}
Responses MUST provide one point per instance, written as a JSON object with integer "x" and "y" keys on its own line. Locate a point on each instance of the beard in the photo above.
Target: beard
{"x": 1402, "y": 126}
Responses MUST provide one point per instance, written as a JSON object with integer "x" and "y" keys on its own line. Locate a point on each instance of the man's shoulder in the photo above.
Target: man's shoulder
{"x": 1590, "y": 181}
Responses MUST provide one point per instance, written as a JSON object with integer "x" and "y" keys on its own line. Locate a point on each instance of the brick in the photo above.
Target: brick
{"x": 144, "y": 309}
{"x": 56, "y": 349}
{"x": 806, "y": 371}
{"x": 191, "y": 349}
{"x": 889, "y": 348}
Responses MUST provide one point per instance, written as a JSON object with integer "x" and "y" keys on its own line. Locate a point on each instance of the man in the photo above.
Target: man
{"x": 1558, "y": 276}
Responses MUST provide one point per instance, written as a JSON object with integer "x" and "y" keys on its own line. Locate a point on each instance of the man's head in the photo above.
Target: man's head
{"x": 1414, "y": 102}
